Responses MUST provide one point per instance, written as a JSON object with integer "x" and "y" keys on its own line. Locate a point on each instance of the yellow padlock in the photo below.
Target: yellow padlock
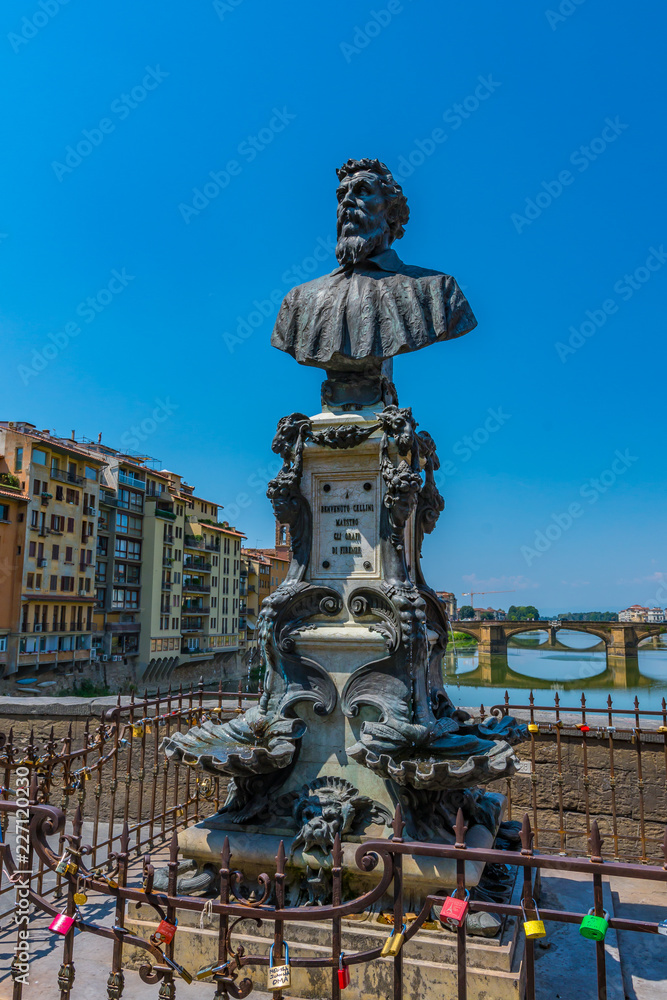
{"x": 662, "y": 729}
{"x": 533, "y": 727}
{"x": 533, "y": 928}
{"x": 137, "y": 731}
{"x": 393, "y": 944}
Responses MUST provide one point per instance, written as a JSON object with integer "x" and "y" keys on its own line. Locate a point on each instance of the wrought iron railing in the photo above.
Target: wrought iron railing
{"x": 232, "y": 907}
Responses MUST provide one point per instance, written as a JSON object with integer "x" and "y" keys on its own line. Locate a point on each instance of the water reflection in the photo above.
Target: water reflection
{"x": 574, "y": 662}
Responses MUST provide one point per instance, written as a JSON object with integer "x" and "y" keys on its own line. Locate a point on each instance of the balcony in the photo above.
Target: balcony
{"x": 133, "y": 532}
{"x": 167, "y": 562}
{"x": 193, "y": 543}
{"x": 197, "y": 588}
{"x": 66, "y": 477}
{"x": 165, "y": 585}
{"x": 197, "y": 564}
{"x": 129, "y": 480}
{"x": 168, "y": 515}
{"x": 87, "y": 509}
{"x": 212, "y": 547}
{"x": 110, "y": 499}
{"x": 189, "y": 611}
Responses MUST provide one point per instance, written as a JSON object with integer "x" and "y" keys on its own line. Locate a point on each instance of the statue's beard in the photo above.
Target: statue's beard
{"x": 370, "y": 235}
{"x": 352, "y": 249}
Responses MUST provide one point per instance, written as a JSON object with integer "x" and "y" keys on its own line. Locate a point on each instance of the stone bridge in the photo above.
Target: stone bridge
{"x": 621, "y": 638}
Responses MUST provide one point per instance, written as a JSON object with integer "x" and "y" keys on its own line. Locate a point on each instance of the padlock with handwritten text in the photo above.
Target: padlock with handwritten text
{"x": 594, "y": 927}
{"x": 165, "y": 932}
{"x": 280, "y": 976}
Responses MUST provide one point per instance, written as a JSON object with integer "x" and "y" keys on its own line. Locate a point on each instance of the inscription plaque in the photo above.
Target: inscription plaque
{"x": 346, "y": 525}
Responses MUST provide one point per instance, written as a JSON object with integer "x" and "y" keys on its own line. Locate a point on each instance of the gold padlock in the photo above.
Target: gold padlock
{"x": 393, "y": 944}
{"x": 80, "y": 896}
{"x": 280, "y": 976}
{"x": 137, "y": 730}
{"x": 533, "y": 928}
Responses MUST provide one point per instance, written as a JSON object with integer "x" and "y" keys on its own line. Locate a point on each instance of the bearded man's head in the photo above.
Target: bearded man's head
{"x": 372, "y": 210}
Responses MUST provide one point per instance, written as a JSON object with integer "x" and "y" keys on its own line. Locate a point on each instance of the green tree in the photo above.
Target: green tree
{"x": 522, "y": 613}
{"x": 466, "y": 611}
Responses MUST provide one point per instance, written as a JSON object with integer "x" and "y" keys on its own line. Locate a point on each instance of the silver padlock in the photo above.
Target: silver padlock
{"x": 662, "y": 927}
{"x": 280, "y": 976}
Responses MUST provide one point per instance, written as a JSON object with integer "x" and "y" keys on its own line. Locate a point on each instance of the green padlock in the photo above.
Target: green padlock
{"x": 593, "y": 927}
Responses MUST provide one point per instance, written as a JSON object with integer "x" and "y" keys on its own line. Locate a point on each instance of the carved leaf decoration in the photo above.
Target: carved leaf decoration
{"x": 308, "y": 681}
{"x": 376, "y": 684}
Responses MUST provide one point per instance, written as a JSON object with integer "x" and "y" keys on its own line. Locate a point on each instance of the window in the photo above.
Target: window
{"x": 57, "y": 522}
{"x": 32, "y": 549}
{"x": 18, "y": 460}
{"x": 68, "y": 554}
{"x": 4, "y": 512}
{"x": 70, "y": 525}
{"x": 55, "y": 552}
{"x": 59, "y": 492}
{"x": 89, "y": 473}
{"x": 39, "y": 456}
{"x": 101, "y": 572}
{"x": 67, "y": 584}
{"x": 53, "y": 583}
{"x": 213, "y": 623}
{"x": 102, "y": 546}
{"x": 72, "y": 496}
{"x": 38, "y": 581}
{"x": 30, "y": 581}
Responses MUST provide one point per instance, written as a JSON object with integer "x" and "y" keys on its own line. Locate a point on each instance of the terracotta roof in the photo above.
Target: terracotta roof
{"x": 14, "y": 494}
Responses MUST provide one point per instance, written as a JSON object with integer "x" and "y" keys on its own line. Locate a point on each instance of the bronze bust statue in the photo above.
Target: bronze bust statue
{"x": 373, "y": 306}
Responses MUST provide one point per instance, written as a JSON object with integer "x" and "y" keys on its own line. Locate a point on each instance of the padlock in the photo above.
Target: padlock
{"x": 80, "y": 896}
{"x": 61, "y": 923}
{"x": 454, "y": 909}
{"x": 165, "y": 932}
{"x": 533, "y": 928}
{"x": 662, "y": 927}
{"x": 533, "y": 727}
{"x": 280, "y": 976}
{"x": 183, "y": 973}
{"x": 212, "y": 970}
{"x": 393, "y": 944}
{"x": 662, "y": 729}
{"x": 61, "y": 867}
{"x": 137, "y": 730}
{"x": 583, "y": 727}
{"x": 593, "y": 927}
{"x": 343, "y": 973}
{"x": 71, "y": 867}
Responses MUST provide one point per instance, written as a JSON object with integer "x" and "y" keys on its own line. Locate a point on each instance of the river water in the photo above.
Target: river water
{"x": 580, "y": 667}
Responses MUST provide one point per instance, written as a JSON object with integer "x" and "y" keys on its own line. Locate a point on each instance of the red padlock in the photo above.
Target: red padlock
{"x": 454, "y": 910}
{"x": 343, "y": 973}
{"x": 61, "y": 923}
{"x": 165, "y": 932}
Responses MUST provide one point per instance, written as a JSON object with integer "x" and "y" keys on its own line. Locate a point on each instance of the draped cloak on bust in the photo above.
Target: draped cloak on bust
{"x": 361, "y": 314}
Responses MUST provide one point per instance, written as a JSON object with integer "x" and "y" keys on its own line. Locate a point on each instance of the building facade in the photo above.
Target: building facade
{"x": 107, "y": 560}
{"x": 48, "y": 607}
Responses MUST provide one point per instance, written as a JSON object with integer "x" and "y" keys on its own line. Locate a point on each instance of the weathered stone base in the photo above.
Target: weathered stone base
{"x": 495, "y": 966}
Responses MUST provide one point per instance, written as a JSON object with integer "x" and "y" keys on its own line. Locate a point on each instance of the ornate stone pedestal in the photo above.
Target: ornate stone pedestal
{"x": 354, "y": 719}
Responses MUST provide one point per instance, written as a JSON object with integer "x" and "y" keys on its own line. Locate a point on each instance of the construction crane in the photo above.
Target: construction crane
{"x": 482, "y": 593}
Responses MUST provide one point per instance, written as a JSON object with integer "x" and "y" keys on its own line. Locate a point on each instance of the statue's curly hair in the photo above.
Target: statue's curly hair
{"x": 398, "y": 212}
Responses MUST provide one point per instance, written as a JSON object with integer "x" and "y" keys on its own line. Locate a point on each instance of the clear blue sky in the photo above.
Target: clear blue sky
{"x": 287, "y": 92}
